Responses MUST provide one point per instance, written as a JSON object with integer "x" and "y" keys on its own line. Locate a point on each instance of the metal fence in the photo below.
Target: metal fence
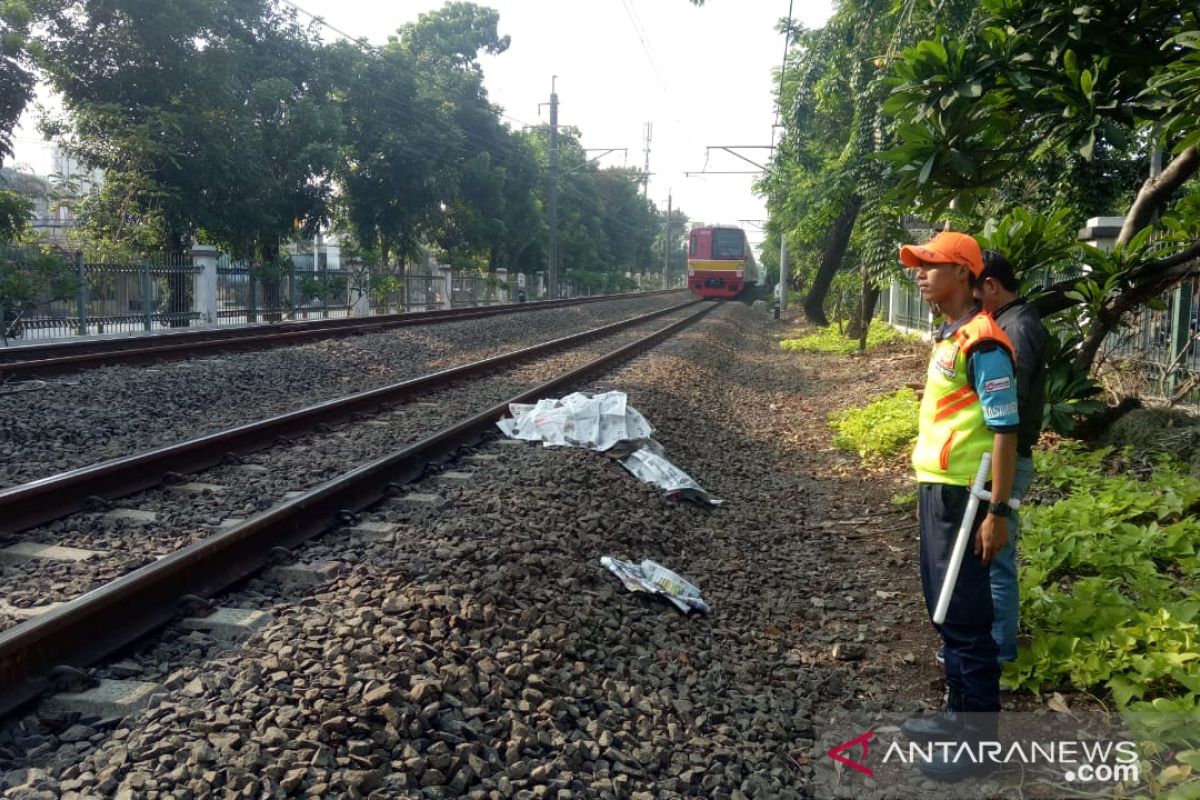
{"x": 49, "y": 294}
{"x": 251, "y": 292}
{"x": 46, "y": 294}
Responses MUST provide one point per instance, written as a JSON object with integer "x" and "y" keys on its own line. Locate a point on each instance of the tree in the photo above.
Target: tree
{"x": 1063, "y": 81}
{"x": 392, "y": 150}
{"x": 824, "y": 180}
{"x": 209, "y": 118}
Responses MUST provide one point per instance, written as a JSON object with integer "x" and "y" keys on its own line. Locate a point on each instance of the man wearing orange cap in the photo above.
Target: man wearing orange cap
{"x": 969, "y": 408}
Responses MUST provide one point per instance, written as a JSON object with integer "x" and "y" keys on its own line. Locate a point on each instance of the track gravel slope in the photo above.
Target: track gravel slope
{"x": 480, "y": 650}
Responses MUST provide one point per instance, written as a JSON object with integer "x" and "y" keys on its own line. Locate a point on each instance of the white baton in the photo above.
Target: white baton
{"x": 978, "y": 493}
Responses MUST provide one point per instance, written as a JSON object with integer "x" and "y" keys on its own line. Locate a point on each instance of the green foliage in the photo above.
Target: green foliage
{"x": 1037, "y": 245}
{"x": 1110, "y": 586}
{"x": 30, "y": 276}
{"x": 882, "y": 428}
{"x": 904, "y": 501}
{"x": 208, "y": 116}
{"x": 384, "y": 287}
{"x": 830, "y": 340}
{"x": 16, "y": 74}
{"x": 1071, "y": 395}
{"x": 14, "y": 214}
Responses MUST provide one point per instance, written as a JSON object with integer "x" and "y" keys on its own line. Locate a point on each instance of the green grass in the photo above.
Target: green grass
{"x": 880, "y": 429}
{"x": 828, "y": 340}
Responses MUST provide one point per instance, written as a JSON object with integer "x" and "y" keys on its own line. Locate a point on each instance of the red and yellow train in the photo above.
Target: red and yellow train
{"x": 721, "y": 262}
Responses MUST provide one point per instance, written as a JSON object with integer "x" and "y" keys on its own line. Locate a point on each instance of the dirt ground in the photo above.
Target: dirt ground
{"x": 854, "y": 506}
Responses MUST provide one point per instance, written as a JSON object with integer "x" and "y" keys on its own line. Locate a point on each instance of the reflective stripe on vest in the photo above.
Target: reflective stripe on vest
{"x": 954, "y": 435}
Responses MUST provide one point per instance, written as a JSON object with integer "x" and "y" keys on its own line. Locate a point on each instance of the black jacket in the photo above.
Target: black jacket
{"x": 1023, "y": 325}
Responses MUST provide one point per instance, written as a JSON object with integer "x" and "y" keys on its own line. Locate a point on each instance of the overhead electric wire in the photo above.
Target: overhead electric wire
{"x": 366, "y": 45}
{"x": 403, "y": 106}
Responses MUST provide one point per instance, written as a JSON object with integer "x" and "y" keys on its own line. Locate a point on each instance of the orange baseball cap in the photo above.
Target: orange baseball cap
{"x": 947, "y": 247}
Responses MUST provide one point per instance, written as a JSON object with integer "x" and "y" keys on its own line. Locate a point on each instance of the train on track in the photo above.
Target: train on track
{"x": 721, "y": 262}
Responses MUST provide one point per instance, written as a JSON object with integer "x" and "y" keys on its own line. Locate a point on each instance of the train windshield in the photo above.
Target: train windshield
{"x": 728, "y": 244}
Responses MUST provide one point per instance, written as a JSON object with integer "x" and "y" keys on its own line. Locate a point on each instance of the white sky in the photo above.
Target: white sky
{"x": 701, "y": 76}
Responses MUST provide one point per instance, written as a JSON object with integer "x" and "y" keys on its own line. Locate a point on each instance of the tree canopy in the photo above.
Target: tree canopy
{"x": 1014, "y": 119}
{"x": 233, "y": 122}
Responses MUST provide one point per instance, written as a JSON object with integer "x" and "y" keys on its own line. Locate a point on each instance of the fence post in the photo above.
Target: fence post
{"x": 1181, "y": 333}
{"x": 147, "y": 304}
{"x": 362, "y": 274}
{"x": 447, "y": 285}
{"x": 204, "y": 284}
{"x": 293, "y": 289}
{"x": 502, "y": 291}
{"x": 252, "y": 313}
{"x": 81, "y": 295}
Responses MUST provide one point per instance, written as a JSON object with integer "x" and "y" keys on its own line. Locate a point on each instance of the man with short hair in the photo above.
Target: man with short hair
{"x": 969, "y": 408}
{"x": 996, "y": 288}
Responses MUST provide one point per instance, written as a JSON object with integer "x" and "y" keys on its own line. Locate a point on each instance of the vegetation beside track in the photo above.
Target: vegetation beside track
{"x": 831, "y": 340}
{"x": 884, "y": 427}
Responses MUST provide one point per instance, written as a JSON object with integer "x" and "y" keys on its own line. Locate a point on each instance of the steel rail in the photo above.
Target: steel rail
{"x": 57, "y": 496}
{"x": 39, "y": 360}
{"x": 99, "y": 623}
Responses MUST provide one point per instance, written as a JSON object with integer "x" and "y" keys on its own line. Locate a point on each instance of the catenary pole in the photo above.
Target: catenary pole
{"x": 667, "y": 247}
{"x": 553, "y": 189}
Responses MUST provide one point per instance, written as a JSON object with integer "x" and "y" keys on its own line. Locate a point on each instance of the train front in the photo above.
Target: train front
{"x": 717, "y": 262}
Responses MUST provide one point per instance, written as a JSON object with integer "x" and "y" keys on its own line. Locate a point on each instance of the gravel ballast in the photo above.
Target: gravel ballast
{"x": 75, "y": 420}
{"x": 263, "y": 479}
{"x": 478, "y": 649}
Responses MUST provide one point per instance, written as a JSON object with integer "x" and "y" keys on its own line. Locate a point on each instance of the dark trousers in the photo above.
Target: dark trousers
{"x": 972, "y": 672}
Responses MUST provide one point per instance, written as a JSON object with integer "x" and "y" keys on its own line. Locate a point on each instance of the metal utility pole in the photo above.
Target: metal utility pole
{"x": 646, "y": 169}
{"x": 667, "y": 246}
{"x": 552, "y": 194}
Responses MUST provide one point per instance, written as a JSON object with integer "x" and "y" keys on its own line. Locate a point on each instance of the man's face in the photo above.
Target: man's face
{"x": 940, "y": 282}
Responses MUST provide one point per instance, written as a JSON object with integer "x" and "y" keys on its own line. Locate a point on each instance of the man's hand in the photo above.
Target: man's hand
{"x": 993, "y": 535}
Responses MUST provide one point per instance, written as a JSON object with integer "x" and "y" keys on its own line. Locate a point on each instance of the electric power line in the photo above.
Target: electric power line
{"x": 366, "y": 45}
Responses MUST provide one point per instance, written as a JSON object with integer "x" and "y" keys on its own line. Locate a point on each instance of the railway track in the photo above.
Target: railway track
{"x": 31, "y": 361}
{"x": 86, "y": 628}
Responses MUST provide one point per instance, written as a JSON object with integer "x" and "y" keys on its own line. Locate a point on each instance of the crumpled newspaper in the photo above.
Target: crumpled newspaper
{"x": 654, "y": 578}
{"x": 601, "y": 423}
{"x": 577, "y": 420}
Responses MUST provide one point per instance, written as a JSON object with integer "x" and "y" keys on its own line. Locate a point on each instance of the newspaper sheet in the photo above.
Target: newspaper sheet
{"x": 601, "y": 423}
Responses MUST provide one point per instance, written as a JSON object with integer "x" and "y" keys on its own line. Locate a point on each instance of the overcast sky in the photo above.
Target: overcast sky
{"x": 701, "y": 76}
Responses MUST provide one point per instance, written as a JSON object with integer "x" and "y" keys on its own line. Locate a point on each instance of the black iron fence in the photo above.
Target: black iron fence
{"x": 46, "y": 293}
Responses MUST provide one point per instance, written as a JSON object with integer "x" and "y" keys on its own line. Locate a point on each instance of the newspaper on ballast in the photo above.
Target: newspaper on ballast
{"x": 653, "y": 578}
{"x": 649, "y": 466}
{"x": 601, "y": 423}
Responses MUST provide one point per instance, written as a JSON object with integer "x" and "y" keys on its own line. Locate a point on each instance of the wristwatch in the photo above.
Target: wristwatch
{"x": 1000, "y": 509}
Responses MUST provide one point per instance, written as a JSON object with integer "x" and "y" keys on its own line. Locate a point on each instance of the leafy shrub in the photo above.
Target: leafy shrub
{"x": 1110, "y": 586}
{"x": 1071, "y": 394}
{"x": 32, "y": 276}
{"x": 828, "y": 340}
{"x": 882, "y": 428}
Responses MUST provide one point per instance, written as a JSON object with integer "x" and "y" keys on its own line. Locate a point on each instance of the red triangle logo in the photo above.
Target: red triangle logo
{"x": 836, "y": 753}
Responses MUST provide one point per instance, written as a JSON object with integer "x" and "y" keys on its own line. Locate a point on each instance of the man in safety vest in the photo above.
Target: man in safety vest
{"x": 969, "y": 408}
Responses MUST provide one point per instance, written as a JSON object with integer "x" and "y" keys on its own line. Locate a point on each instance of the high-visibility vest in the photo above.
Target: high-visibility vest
{"x": 953, "y": 435}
